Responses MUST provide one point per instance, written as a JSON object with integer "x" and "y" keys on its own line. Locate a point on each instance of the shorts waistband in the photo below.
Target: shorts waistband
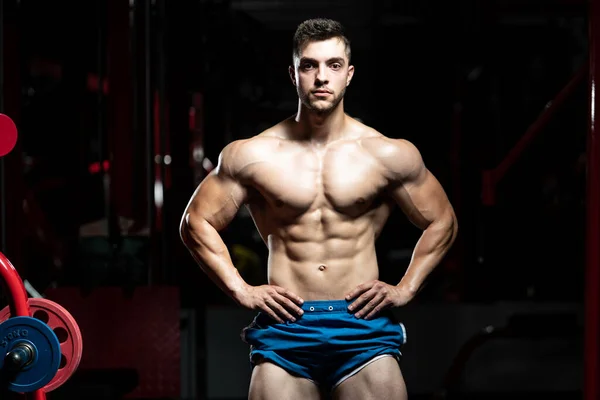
{"x": 315, "y": 306}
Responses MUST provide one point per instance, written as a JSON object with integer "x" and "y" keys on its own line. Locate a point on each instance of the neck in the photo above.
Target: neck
{"x": 321, "y": 128}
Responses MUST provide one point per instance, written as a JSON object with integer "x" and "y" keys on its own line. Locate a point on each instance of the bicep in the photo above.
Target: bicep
{"x": 422, "y": 199}
{"x": 215, "y": 201}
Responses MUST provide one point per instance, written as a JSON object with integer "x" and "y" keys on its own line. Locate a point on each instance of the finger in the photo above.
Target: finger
{"x": 267, "y": 310}
{"x": 363, "y": 287}
{"x": 385, "y": 303}
{"x": 290, "y": 295}
{"x": 360, "y": 302}
{"x": 280, "y": 311}
{"x": 288, "y": 304}
{"x": 369, "y": 306}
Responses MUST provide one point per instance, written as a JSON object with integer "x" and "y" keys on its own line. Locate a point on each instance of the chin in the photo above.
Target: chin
{"x": 320, "y": 106}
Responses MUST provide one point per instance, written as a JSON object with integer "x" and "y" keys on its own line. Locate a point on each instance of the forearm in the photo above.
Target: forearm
{"x": 210, "y": 252}
{"x": 430, "y": 249}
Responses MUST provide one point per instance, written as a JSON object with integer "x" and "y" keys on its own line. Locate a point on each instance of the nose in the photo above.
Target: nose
{"x": 322, "y": 75}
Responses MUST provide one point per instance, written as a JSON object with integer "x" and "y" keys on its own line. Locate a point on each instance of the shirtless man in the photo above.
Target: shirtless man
{"x": 320, "y": 187}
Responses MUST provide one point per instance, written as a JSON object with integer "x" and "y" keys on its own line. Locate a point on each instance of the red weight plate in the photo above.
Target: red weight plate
{"x": 66, "y": 329}
{"x": 4, "y": 314}
{"x": 8, "y": 135}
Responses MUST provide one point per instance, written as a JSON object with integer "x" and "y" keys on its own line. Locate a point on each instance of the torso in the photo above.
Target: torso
{"x": 319, "y": 210}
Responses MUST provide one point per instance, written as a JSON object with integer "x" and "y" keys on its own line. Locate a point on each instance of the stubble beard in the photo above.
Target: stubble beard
{"x": 317, "y": 107}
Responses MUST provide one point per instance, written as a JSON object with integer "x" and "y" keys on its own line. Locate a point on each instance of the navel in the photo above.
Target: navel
{"x": 322, "y": 267}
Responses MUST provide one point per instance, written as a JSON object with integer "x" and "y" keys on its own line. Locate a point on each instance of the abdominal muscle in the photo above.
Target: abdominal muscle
{"x": 322, "y": 261}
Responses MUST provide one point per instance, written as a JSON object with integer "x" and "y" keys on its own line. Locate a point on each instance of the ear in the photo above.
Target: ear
{"x": 350, "y": 74}
{"x": 292, "y": 72}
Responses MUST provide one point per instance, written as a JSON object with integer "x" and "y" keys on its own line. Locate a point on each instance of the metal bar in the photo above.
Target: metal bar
{"x": 119, "y": 128}
{"x": 12, "y": 185}
{"x": 148, "y": 95}
{"x": 138, "y": 161}
{"x": 2, "y": 181}
{"x": 592, "y": 270}
{"x": 38, "y": 395}
{"x": 17, "y": 294}
{"x": 492, "y": 177}
{"x": 100, "y": 114}
{"x": 162, "y": 118}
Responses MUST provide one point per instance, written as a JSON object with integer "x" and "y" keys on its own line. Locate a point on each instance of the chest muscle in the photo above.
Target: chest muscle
{"x": 342, "y": 179}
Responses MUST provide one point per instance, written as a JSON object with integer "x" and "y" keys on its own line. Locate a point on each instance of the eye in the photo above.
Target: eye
{"x": 306, "y": 66}
{"x": 336, "y": 65}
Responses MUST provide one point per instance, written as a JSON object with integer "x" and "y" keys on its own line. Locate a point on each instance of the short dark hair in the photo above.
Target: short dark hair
{"x": 318, "y": 29}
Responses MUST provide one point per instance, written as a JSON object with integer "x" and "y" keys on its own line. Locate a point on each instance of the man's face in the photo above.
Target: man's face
{"x": 321, "y": 74}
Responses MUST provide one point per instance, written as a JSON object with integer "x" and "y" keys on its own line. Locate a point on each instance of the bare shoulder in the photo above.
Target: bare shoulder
{"x": 398, "y": 157}
{"x": 239, "y": 154}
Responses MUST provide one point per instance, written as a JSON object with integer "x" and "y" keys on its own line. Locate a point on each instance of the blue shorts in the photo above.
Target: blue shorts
{"x": 327, "y": 344}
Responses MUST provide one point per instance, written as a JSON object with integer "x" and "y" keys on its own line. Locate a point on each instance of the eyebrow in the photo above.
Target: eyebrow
{"x": 331, "y": 60}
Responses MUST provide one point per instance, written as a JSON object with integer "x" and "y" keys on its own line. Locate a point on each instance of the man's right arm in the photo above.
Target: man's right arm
{"x": 213, "y": 205}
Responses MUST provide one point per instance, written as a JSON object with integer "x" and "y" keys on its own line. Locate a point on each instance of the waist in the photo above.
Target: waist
{"x": 323, "y": 280}
{"x": 328, "y": 306}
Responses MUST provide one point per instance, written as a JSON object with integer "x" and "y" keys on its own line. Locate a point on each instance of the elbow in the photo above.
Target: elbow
{"x": 447, "y": 228}
{"x": 452, "y": 228}
{"x": 184, "y": 228}
{"x": 195, "y": 231}
{"x": 188, "y": 229}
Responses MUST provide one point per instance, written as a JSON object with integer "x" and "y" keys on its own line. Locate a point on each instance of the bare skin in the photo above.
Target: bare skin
{"x": 320, "y": 186}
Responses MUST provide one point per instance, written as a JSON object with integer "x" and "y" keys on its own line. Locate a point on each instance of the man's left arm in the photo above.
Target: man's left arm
{"x": 425, "y": 203}
{"x": 423, "y": 200}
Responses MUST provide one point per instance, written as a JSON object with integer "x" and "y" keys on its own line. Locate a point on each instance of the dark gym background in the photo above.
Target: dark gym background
{"x": 123, "y": 106}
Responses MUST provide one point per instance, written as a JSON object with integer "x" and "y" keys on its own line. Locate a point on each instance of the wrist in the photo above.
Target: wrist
{"x": 409, "y": 290}
{"x": 238, "y": 291}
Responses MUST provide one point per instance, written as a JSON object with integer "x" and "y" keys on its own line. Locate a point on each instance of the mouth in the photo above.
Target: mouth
{"x": 321, "y": 93}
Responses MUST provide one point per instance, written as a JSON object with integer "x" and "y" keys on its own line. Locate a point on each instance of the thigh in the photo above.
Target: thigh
{"x": 380, "y": 380}
{"x": 271, "y": 382}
